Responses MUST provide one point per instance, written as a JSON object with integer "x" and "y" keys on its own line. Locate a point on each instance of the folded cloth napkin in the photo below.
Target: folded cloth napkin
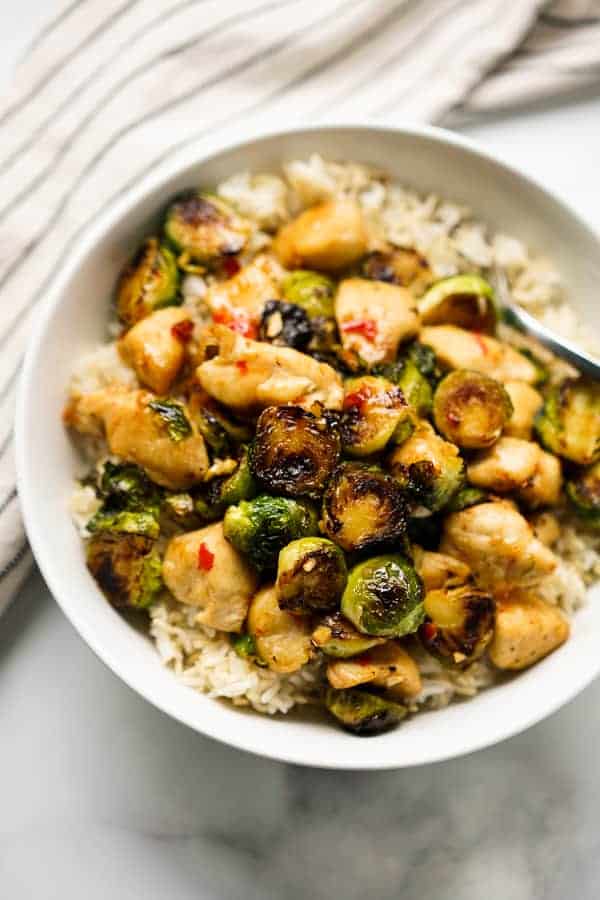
{"x": 109, "y": 89}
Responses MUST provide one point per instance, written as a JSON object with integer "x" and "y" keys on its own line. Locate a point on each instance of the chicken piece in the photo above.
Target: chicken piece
{"x": 388, "y": 666}
{"x": 153, "y": 349}
{"x": 374, "y": 318}
{"x": 457, "y": 348}
{"x": 527, "y": 629}
{"x": 438, "y": 571}
{"x": 248, "y": 291}
{"x": 545, "y": 527}
{"x": 505, "y": 466}
{"x": 544, "y": 486}
{"x": 138, "y": 434}
{"x": 202, "y": 569}
{"x": 282, "y": 640}
{"x": 329, "y": 236}
{"x": 526, "y": 402}
{"x": 498, "y": 544}
{"x": 246, "y": 374}
{"x": 446, "y": 467}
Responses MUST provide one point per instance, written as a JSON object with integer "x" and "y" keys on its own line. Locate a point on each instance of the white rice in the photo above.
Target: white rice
{"x": 452, "y": 242}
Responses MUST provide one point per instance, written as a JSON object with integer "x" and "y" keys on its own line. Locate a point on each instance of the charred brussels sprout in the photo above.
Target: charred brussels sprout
{"x": 471, "y": 409}
{"x": 227, "y": 490}
{"x": 336, "y": 636}
{"x": 178, "y": 510}
{"x": 373, "y": 410}
{"x": 569, "y": 422}
{"x": 363, "y": 507}
{"x": 415, "y": 387}
{"x": 126, "y": 521}
{"x": 461, "y": 623}
{"x": 363, "y": 713}
{"x": 310, "y": 291}
{"x": 584, "y": 494}
{"x": 285, "y": 324}
{"x": 294, "y": 452}
{"x": 148, "y": 282}
{"x": 384, "y": 597}
{"x": 428, "y": 468}
{"x": 130, "y": 501}
{"x": 204, "y": 227}
{"x": 463, "y": 300}
{"x": 127, "y": 568}
{"x": 424, "y": 358}
{"x": 399, "y": 265}
{"x": 311, "y": 576}
{"x": 261, "y": 527}
{"x": 465, "y": 497}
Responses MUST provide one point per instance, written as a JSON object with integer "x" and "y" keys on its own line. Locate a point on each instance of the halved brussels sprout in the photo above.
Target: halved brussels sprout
{"x": 311, "y": 576}
{"x": 294, "y": 452}
{"x": 471, "y": 409}
{"x": 127, "y": 568}
{"x": 220, "y": 431}
{"x": 569, "y": 422}
{"x": 126, "y": 521}
{"x": 399, "y": 265}
{"x": 463, "y": 300}
{"x": 310, "y": 291}
{"x": 131, "y": 502}
{"x": 584, "y": 494}
{"x": 147, "y": 283}
{"x": 465, "y": 497}
{"x": 429, "y": 469}
{"x": 363, "y": 713}
{"x": 461, "y": 623}
{"x": 384, "y": 597}
{"x": 424, "y": 358}
{"x": 373, "y": 410}
{"x": 261, "y": 527}
{"x": 363, "y": 507}
{"x": 336, "y": 636}
{"x": 226, "y": 490}
{"x": 178, "y": 509}
{"x": 204, "y": 227}
{"x": 415, "y": 387}
{"x": 285, "y": 325}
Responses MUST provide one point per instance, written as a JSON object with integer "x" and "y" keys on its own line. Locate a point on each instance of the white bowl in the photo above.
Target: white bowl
{"x": 73, "y": 320}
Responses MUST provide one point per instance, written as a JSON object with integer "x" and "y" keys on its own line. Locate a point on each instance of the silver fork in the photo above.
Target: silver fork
{"x": 528, "y": 324}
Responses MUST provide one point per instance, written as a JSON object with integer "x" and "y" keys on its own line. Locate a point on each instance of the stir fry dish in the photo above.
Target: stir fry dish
{"x": 324, "y": 472}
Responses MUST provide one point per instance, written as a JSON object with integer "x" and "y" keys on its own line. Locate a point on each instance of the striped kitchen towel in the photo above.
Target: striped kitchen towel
{"x": 109, "y": 89}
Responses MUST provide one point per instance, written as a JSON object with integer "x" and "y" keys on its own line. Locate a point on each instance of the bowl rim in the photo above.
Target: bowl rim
{"x": 229, "y": 140}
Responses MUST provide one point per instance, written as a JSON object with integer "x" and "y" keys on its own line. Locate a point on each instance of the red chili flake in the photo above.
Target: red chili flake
{"x": 222, "y": 316}
{"x": 366, "y": 327}
{"x": 429, "y": 630}
{"x": 237, "y": 321}
{"x": 482, "y": 344}
{"x": 231, "y": 266}
{"x": 206, "y": 559}
{"x": 183, "y": 330}
{"x": 242, "y": 366}
{"x": 356, "y": 399}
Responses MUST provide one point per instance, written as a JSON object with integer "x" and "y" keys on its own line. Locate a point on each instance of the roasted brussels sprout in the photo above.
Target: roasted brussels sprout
{"x": 127, "y": 521}
{"x": 363, "y": 713}
{"x": 429, "y": 469}
{"x": 336, "y": 636}
{"x": 310, "y": 291}
{"x": 415, "y": 387}
{"x": 285, "y": 324}
{"x": 463, "y": 300}
{"x": 221, "y": 432}
{"x": 311, "y": 576}
{"x": 131, "y": 502}
{"x": 148, "y": 282}
{"x": 584, "y": 494}
{"x": 261, "y": 527}
{"x": 363, "y": 507}
{"x": 127, "y": 568}
{"x": 399, "y": 265}
{"x": 294, "y": 452}
{"x": 204, "y": 227}
{"x": 465, "y": 497}
{"x": 212, "y": 501}
{"x": 471, "y": 409}
{"x": 177, "y": 509}
{"x": 373, "y": 410}
{"x": 569, "y": 422}
{"x": 461, "y": 623}
{"x": 174, "y": 418}
{"x": 384, "y": 597}
{"x": 424, "y": 358}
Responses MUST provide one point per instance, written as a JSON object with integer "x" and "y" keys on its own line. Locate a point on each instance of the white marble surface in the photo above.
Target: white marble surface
{"x": 101, "y": 796}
